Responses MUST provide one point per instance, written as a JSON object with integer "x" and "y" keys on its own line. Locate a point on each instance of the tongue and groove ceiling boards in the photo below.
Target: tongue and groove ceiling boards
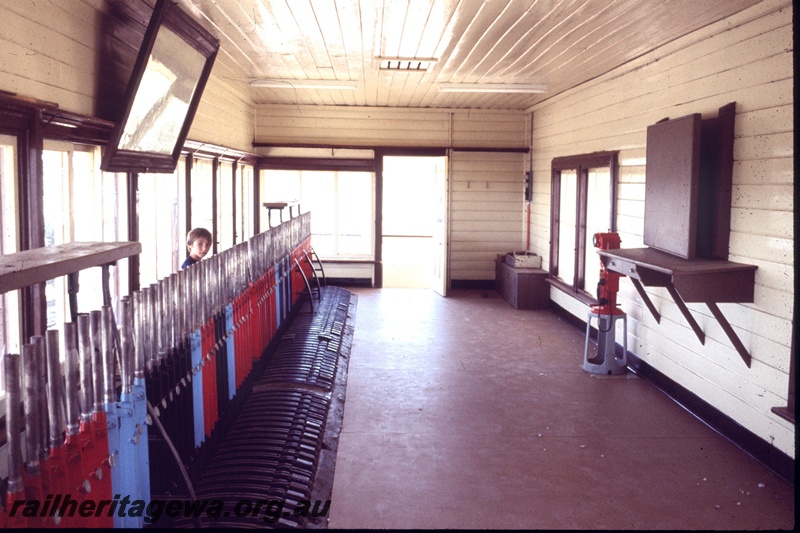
{"x": 408, "y": 53}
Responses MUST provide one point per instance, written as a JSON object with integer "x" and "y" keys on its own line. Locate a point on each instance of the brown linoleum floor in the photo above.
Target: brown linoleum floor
{"x": 466, "y": 413}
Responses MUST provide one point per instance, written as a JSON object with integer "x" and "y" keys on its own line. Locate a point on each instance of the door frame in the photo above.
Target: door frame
{"x": 378, "y": 165}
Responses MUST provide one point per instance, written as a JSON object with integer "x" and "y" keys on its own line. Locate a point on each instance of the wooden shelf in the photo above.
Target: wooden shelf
{"x": 710, "y": 281}
{"x": 22, "y": 269}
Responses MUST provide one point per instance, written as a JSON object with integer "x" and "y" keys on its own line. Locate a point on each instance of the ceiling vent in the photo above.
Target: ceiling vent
{"x": 404, "y": 64}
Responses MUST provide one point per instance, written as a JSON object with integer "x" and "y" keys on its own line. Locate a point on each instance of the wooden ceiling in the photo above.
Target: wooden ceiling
{"x": 558, "y": 43}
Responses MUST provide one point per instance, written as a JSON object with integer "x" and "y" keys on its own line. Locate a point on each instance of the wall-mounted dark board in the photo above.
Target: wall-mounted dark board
{"x": 689, "y": 185}
{"x": 672, "y": 182}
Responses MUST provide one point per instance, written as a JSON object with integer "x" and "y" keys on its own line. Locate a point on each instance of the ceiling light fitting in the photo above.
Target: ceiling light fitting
{"x": 304, "y": 84}
{"x": 531, "y": 88}
{"x": 405, "y": 64}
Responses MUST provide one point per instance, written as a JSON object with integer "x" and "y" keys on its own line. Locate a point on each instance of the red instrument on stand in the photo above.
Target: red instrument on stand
{"x": 606, "y": 312}
{"x": 608, "y": 286}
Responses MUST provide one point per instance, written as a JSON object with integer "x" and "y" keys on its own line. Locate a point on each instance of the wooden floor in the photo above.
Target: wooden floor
{"x": 462, "y": 412}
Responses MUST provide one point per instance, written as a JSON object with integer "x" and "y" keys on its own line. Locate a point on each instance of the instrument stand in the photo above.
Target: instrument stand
{"x": 605, "y": 361}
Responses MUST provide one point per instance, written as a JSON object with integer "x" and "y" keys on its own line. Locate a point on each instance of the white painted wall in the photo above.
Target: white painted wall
{"x": 486, "y": 199}
{"x": 45, "y": 47}
{"x": 486, "y": 188}
{"x": 383, "y": 126}
{"x": 745, "y": 59}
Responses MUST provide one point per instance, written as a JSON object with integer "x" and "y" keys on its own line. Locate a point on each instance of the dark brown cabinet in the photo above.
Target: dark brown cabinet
{"x": 524, "y": 288}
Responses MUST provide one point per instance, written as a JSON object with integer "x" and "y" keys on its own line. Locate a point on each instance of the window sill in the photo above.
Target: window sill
{"x": 581, "y": 296}
{"x": 351, "y": 261}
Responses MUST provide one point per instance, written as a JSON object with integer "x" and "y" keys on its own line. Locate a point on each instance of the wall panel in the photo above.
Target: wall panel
{"x": 368, "y": 127}
{"x": 486, "y": 199}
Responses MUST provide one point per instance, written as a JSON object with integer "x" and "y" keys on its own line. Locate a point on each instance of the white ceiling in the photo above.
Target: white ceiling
{"x": 558, "y": 43}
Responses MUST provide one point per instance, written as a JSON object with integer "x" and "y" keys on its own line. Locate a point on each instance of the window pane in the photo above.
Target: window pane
{"x": 248, "y": 229}
{"x": 566, "y": 228}
{"x": 355, "y": 214}
{"x": 598, "y": 209}
{"x": 8, "y": 194}
{"x": 85, "y": 219}
{"x": 115, "y": 217}
{"x": 240, "y": 203}
{"x": 160, "y": 228}
{"x": 182, "y": 230}
{"x": 88, "y": 223}
{"x": 55, "y": 170}
{"x": 202, "y": 174}
{"x": 55, "y": 179}
{"x": 225, "y": 205}
{"x": 82, "y": 204}
{"x": 244, "y": 198}
{"x": 9, "y": 302}
{"x": 279, "y": 186}
{"x": 319, "y": 197}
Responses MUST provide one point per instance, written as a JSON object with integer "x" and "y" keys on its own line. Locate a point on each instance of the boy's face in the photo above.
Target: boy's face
{"x": 199, "y": 248}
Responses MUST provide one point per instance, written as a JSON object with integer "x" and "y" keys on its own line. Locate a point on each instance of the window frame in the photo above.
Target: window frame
{"x": 369, "y": 165}
{"x": 335, "y": 175}
{"x": 581, "y": 165}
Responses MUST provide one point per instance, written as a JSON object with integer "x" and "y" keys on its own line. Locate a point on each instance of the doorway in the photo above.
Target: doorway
{"x": 414, "y": 222}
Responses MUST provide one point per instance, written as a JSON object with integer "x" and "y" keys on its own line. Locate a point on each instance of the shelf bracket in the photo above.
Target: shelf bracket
{"x": 646, "y": 299}
{"x": 726, "y": 327}
{"x": 686, "y": 314}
